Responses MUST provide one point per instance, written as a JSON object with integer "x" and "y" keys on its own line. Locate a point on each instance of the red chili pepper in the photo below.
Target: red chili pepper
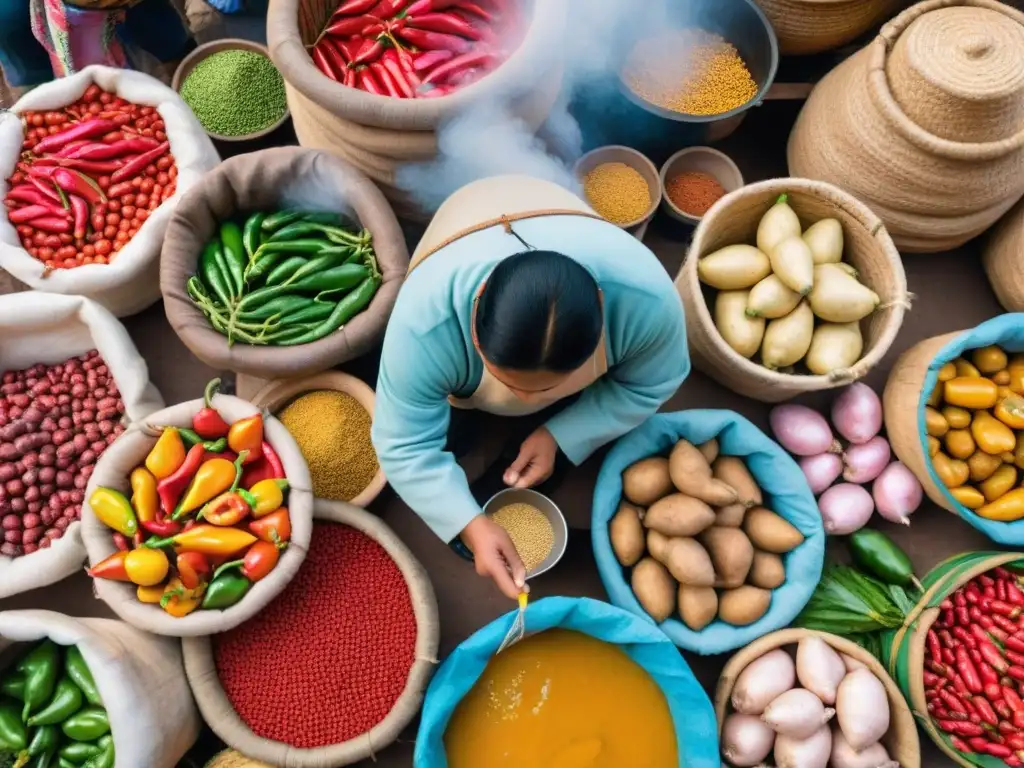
{"x": 989, "y": 592}
{"x": 962, "y": 616}
{"x": 162, "y": 528}
{"x": 137, "y": 165}
{"x": 430, "y": 59}
{"x": 1015, "y": 642}
{"x": 1014, "y": 596}
{"x": 1016, "y": 672}
{"x": 1012, "y": 699}
{"x": 193, "y": 569}
{"x": 947, "y": 617}
{"x": 458, "y": 64}
{"x": 951, "y": 701}
{"x": 53, "y": 225}
{"x": 1004, "y": 623}
{"x": 1005, "y": 609}
{"x": 985, "y": 580}
{"x": 25, "y": 193}
{"x": 985, "y": 710}
{"x": 350, "y": 48}
{"x": 948, "y": 657}
{"x": 71, "y": 147}
{"x": 1014, "y": 761}
{"x": 80, "y": 210}
{"x": 121, "y": 542}
{"x": 996, "y": 750}
{"x": 975, "y": 614}
{"x": 426, "y": 6}
{"x": 1015, "y": 658}
{"x": 394, "y": 68}
{"x": 42, "y": 170}
{"x": 444, "y": 22}
{"x": 79, "y": 184}
{"x": 432, "y": 41}
{"x": 960, "y": 727}
{"x": 474, "y": 9}
{"x": 23, "y": 215}
{"x": 267, "y": 467}
{"x": 368, "y": 82}
{"x": 350, "y": 78}
{"x": 1003, "y": 708}
{"x": 335, "y": 57}
{"x": 320, "y": 59}
{"x": 385, "y": 79}
{"x": 967, "y": 670}
{"x": 961, "y": 745}
{"x": 96, "y": 167}
{"x": 437, "y": 92}
{"x": 349, "y": 25}
{"x": 173, "y": 486}
{"x": 208, "y": 423}
{"x": 372, "y": 30}
{"x": 111, "y": 568}
{"x": 991, "y": 655}
{"x": 370, "y": 53}
{"x": 354, "y": 7}
{"x": 86, "y": 130}
{"x": 1014, "y": 738}
{"x": 959, "y": 601}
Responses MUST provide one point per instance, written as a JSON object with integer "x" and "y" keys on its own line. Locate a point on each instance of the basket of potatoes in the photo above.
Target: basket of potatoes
{"x": 707, "y": 526}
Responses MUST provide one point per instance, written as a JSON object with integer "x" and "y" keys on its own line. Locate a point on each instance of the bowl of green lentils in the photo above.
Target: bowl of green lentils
{"x": 233, "y": 88}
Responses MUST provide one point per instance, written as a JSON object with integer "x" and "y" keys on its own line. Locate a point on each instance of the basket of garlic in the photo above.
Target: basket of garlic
{"x": 790, "y": 286}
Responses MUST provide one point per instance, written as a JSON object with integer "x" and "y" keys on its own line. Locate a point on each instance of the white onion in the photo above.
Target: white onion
{"x": 812, "y": 752}
{"x": 802, "y": 431}
{"x": 865, "y": 461}
{"x": 821, "y": 470}
{"x": 897, "y": 493}
{"x": 762, "y": 680}
{"x": 797, "y": 713}
{"x": 862, "y": 707}
{"x": 845, "y": 508}
{"x": 857, "y": 413}
{"x": 844, "y": 756}
{"x": 819, "y": 668}
{"x": 746, "y": 741}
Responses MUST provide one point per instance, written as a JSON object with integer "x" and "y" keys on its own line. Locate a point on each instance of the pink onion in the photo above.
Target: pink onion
{"x": 866, "y": 461}
{"x": 802, "y": 431}
{"x": 821, "y": 470}
{"x": 845, "y": 508}
{"x": 897, "y": 493}
{"x": 857, "y": 413}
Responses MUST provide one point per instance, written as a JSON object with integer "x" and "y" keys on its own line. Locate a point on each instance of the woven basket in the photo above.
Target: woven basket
{"x": 231, "y": 758}
{"x": 1003, "y": 258}
{"x": 216, "y": 709}
{"x": 812, "y": 26}
{"x": 903, "y": 650}
{"x": 734, "y": 219}
{"x": 900, "y": 740}
{"x": 926, "y": 124}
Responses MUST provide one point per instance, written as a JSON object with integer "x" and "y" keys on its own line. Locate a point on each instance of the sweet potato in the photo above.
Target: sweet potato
{"x": 679, "y": 515}
{"x": 646, "y": 481}
{"x": 691, "y": 474}
{"x": 627, "y": 534}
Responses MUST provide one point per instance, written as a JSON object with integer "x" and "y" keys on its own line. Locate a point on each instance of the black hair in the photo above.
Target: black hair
{"x": 539, "y": 310}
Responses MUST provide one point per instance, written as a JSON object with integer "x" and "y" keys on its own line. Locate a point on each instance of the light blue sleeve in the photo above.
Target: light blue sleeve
{"x": 410, "y": 428}
{"x": 648, "y": 339}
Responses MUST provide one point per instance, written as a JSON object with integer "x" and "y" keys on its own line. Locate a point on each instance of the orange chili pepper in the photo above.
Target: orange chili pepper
{"x": 258, "y": 561}
{"x": 1010, "y": 411}
{"x": 111, "y": 568}
{"x": 989, "y": 359}
{"x": 167, "y": 455}
{"x": 970, "y": 497}
{"x": 145, "y": 501}
{"x": 151, "y": 595}
{"x": 275, "y": 527}
{"x": 193, "y": 569}
{"x": 247, "y": 435}
{"x": 212, "y": 478}
{"x": 178, "y": 600}
{"x": 971, "y": 392}
{"x": 991, "y": 435}
{"x": 1007, "y": 508}
{"x": 1016, "y": 371}
{"x": 1002, "y": 480}
{"x": 207, "y": 539}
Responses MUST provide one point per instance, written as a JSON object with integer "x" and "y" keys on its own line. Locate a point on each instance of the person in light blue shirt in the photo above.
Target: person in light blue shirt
{"x": 511, "y": 316}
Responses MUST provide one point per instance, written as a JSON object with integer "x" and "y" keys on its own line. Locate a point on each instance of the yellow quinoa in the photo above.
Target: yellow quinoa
{"x": 530, "y": 531}
{"x": 617, "y": 192}
{"x": 333, "y": 433}
{"x": 691, "y": 71}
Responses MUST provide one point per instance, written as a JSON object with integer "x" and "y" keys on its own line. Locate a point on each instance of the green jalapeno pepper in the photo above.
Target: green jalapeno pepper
{"x": 76, "y": 668}
{"x": 13, "y": 736}
{"x": 67, "y": 699}
{"x": 13, "y": 685}
{"x": 78, "y": 752}
{"x": 40, "y": 667}
{"x": 225, "y": 590}
{"x": 87, "y": 724}
{"x": 881, "y": 557}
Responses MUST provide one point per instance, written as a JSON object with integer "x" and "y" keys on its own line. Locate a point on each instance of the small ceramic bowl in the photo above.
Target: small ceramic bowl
{"x": 207, "y": 50}
{"x": 702, "y": 160}
{"x": 635, "y": 160}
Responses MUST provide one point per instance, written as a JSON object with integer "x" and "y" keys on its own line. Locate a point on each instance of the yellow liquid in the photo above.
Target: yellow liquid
{"x": 562, "y": 699}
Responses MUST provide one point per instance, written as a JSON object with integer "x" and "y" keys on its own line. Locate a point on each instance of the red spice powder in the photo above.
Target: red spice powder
{"x": 326, "y": 661}
{"x": 694, "y": 192}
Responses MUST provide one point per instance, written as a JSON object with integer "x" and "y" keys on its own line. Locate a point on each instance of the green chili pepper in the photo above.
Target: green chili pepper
{"x": 308, "y": 312}
{"x": 286, "y": 269}
{"x": 63, "y": 762}
{"x": 221, "y": 325}
{"x": 41, "y": 667}
{"x": 234, "y": 251}
{"x": 79, "y": 751}
{"x": 251, "y": 233}
{"x": 226, "y": 590}
{"x": 265, "y": 261}
{"x": 44, "y": 741}
{"x": 13, "y": 736}
{"x": 343, "y": 237}
{"x": 881, "y": 557}
{"x": 67, "y": 699}
{"x": 80, "y": 674}
{"x": 87, "y": 724}
{"x": 44, "y": 760}
{"x": 344, "y": 310}
{"x": 13, "y": 685}
{"x": 341, "y": 278}
{"x": 212, "y": 275}
{"x": 299, "y": 229}
{"x": 105, "y": 759}
{"x": 232, "y": 272}
{"x": 280, "y": 219}
{"x": 278, "y": 306}
{"x": 332, "y": 219}
{"x": 190, "y": 438}
{"x": 305, "y": 245}
{"x": 318, "y": 264}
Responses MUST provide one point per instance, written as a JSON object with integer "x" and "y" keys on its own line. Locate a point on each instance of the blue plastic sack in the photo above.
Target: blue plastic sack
{"x": 786, "y": 493}
{"x": 1008, "y": 332}
{"x": 692, "y": 713}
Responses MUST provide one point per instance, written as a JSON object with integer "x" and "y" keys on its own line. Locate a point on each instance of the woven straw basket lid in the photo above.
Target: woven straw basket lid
{"x": 958, "y": 73}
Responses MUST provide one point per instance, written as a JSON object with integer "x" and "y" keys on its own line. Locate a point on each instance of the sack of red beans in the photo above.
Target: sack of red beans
{"x": 139, "y": 678}
{"x": 71, "y": 380}
{"x": 91, "y": 167}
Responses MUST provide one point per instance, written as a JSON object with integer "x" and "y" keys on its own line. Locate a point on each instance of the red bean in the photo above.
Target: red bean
{"x": 9, "y": 549}
{"x": 13, "y": 536}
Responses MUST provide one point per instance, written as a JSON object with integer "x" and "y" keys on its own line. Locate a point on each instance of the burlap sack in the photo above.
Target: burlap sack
{"x": 271, "y": 180}
{"x": 1003, "y": 258}
{"x": 37, "y": 327}
{"x": 813, "y": 26}
{"x": 926, "y": 124}
{"x": 128, "y": 452}
{"x": 868, "y": 247}
{"x": 201, "y": 669}
{"x": 153, "y": 718}
{"x": 130, "y": 283}
{"x": 900, "y": 740}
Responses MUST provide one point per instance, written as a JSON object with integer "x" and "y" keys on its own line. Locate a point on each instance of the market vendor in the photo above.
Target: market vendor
{"x": 519, "y": 297}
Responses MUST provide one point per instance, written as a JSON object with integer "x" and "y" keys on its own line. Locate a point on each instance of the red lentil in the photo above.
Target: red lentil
{"x": 694, "y": 192}
{"x": 328, "y": 659}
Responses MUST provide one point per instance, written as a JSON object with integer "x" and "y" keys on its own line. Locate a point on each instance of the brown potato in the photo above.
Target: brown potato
{"x": 743, "y": 605}
{"x": 679, "y": 515}
{"x": 627, "y": 534}
{"x": 732, "y": 471}
{"x": 654, "y": 588}
{"x": 709, "y": 450}
{"x": 731, "y": 555}
{"x": 767, "y": 571}
{"x": 657, "y": 546}
{"x": 770, "y": 532}
{"x": 698, "y": 606}
{"x": 646, "y": 481}
{"x": 691, "y": 474}
{"x": 689, "y": 563}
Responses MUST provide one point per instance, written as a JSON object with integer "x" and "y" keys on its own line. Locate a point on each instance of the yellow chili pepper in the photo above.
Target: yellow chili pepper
{"x": 975, "y": 393}
{"x": 206, "y": 539}
{"x": 1002, "y": 480}
{"x": 991, "y": 435}
{"x": 934, "y": 446}
{"x": 146, "y": 567}
{"x": 947, "y": 372}
{"x": 1004, "y": 392}
{"x": 959, "y": 443}
{"x": 114, "y": 510}
{"x": 144, "y": 499}
{"x": 935, "y": 398}
{"x": 982, "y": 465}
{"x": 970, "y": 497}
{"x": 213, "y": 478}
{"x": 1010, "y": 411}
{"x": 957, "y": 418}
{"x": 952, "y": 472}
{"x": 151, "y": 595}
{"x": 167, "y": 455}
{"x": 1002, "y": 378}
{"x": 1018, "y": 452}
{"x": 180, "y": 601}
{"x": 1016, "y": 371}
{"x": 268, "y": 495}
{"x": 1007, "y": 508}
{"x": 989, "y": 359}
{"x": 934, "y": 424}
{"x": 965, "y": 369}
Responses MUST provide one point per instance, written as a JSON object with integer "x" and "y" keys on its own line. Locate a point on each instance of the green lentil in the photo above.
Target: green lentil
{"x": 235, "y": 93}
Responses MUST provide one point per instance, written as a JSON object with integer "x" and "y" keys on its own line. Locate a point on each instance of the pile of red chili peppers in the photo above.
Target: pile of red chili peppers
{"x": 415, "y": 49}
{"x": 974, "y": 667}
{"x": 206, "y": 518}
{"x": 89, "y": 176}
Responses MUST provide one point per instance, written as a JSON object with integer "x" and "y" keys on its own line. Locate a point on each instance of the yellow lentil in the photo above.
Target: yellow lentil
{"x": 690, "y": 71}
{"x": 618, "y": 192}
{"x": 530, "y": 531}
{"x": 333, "y": 433}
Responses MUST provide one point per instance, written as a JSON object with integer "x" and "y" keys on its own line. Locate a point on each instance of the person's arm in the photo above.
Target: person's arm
{"x": 651, "y": 345}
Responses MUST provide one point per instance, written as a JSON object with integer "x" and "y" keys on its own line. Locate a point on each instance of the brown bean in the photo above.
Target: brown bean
{"x": 61, "y": 436}
{"x": 15, "y": 487}
{"x": 32, "y": 415}
{"x": 98, "y": 446}
{"x": 87, "y": 415}
{"x": 40, "y": 387}
{"x": 30, "y": 476}
{"x": 13, "y": 536}
{"x": 106, "y": 414}
{"x": 47, "y": 474}
{"x": 81, "y": 481}
{"x": 31, "y": 494}
{"x": 65, "y": 479}
{"x": 88, "y": 457}
{"x": 10, "y": 522}
{"x": 7, "y": 472}
{"x": 63, "y": 462}
{"x": 65, "y": 422}
{"x": 66, "y": 451}
{"x": 21, "y": 400}
{"x": 30, "y": 460}
{"x": 14, "y": 430}
{"x": 19, "y": 505}
{"x": 52, "y": 533}
{"x": 48, "y": 515}
{"x": 8, "y": 453}
{"x": 77, "y": 497}
{"x": 46, "y": 401}
{"x": 47, "y": 489}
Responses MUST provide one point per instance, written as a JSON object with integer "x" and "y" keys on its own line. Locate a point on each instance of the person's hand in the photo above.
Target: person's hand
{"x": 535, "y": 462}
{"x": 495, "y": 555}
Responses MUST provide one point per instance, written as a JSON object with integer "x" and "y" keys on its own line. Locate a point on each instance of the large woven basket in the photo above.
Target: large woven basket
{"x": 812, "y": 26}
{"x": 216, "y": 708}
{"x": 1004, "y": 260}
{"x": 926, "y": 124}
{"x": 734, "y": 219}
{"x": 900, "y": 740}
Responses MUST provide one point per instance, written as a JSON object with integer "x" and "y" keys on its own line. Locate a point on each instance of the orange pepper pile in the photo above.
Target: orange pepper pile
{"x": 975, "y": 424}
{"x": 206, "y": 518}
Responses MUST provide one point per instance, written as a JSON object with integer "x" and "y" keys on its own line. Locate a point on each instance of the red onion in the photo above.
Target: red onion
{"x": 866, "y": 461}
{"x": 821, "y": 470}
{"x": 897, "y": 493}
{"x": 802, "y": 431}
{"x": 845, "y": 508}
{"x": 857, "y": 413}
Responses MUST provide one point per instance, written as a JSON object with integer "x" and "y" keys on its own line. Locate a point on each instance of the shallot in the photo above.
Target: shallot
{"x": 862, "y": 706}
{"x": 865, "y": 461}
{"x": 763, "y": 680}
{"x": 812, "y": 752}
{"x": 746, "y": 741}
{"x": 802, "y": 431}
{"x": 845, "y": 756}
{"x": 857, "y": 413}
{"x": 821, "y": 470}
{"x": 797, "y": 713}
{"x": 897, "y": 493}
{"x": 851, "y": 663}
{"x": 819, "y": 668}
{"x": 845, "y": 508}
